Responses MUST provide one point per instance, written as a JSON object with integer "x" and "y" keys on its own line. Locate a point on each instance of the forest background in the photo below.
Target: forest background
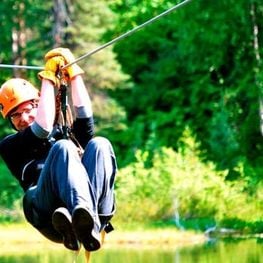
{"x": 179, "y": 99}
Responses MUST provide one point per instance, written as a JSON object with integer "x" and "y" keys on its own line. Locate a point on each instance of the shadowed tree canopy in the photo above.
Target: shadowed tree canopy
{"x": 194, "y": 68}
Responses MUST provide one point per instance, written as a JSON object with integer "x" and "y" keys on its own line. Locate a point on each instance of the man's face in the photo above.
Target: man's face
{"x": 24, "y": 115}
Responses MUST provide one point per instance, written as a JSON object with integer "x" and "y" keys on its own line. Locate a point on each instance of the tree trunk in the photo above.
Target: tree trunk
{"x": 62, "y": 10}
{"x": 19, "y": 41}
{"x": 258, "y": 78}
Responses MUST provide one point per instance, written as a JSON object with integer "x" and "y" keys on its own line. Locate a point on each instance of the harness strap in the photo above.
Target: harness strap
{"x": 64, "y": 117}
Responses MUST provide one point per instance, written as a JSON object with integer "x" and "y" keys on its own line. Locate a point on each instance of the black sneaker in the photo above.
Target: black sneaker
{"x": 86, "y": 228}
{"x": 61, "y": 220}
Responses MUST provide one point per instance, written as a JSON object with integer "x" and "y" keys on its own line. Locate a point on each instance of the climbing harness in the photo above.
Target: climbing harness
{"x": 150, "y": 21}
{"x": 64, "y": 118}
{"x": 63, "y": 112}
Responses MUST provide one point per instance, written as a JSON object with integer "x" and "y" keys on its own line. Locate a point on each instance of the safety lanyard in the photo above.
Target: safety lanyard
{"x": 64, "y": 105}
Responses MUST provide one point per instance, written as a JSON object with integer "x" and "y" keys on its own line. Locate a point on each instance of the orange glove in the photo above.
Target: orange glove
{"x": 72, "y": 70}
{"x": 51, "y": 70}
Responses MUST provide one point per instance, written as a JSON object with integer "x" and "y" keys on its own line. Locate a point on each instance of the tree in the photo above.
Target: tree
{"x": 193, "y": 68}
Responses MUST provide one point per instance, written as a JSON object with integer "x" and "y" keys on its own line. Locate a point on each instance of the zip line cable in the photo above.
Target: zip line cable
{"x": 128, "y": 33}
{"x": 21, "y": 67}
{"x": 107, "y": 44}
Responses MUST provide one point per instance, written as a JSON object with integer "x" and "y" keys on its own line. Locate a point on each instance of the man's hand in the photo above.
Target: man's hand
{"x": 52, "y": 67}
{"x": 72, "y": 70}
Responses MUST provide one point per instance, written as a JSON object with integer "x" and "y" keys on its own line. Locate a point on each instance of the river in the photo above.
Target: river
{"x": 224, "y": 251}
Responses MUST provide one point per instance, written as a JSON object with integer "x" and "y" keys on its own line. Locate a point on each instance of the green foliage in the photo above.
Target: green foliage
{"x": 24, "y": 32}
{"x": 10, "y": 191}
{"x": 179, "y": 183}
{"x": 254, "y": 226}
{"x": 89, "y": 22}
{"x": 194, "y": 68}
{"x": 144, "y": 194}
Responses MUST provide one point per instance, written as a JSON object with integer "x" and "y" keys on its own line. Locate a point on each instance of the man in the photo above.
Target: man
{"x": 69, "y": 197}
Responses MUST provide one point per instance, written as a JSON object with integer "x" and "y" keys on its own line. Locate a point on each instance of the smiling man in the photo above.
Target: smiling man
{"x": 69, "y": 197}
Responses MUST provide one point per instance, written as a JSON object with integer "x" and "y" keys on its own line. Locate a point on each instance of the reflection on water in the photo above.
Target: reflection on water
{"x": 246, "y": 251}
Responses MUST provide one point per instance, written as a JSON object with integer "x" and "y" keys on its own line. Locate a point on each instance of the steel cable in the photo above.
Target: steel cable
{"x": 107, "y": 44}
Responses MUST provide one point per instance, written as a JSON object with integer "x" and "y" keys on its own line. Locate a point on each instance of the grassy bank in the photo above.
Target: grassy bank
{"x": 22, "y": 237}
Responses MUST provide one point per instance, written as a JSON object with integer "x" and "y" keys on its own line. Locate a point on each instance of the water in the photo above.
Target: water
{"x": 245, "y": 251}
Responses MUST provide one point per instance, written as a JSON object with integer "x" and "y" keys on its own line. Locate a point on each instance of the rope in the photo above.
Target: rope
{"x": 109, "y": 43}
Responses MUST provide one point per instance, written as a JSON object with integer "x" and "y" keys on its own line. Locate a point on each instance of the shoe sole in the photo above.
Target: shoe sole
{"x": 83, "y": 225}
{"x": 64, "y": 227}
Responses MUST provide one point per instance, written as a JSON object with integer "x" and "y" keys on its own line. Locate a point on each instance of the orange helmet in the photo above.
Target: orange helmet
{"x": 14, "y": 92}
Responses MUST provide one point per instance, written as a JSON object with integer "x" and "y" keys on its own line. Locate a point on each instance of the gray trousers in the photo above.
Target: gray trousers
{"x": 68, "y": 180}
